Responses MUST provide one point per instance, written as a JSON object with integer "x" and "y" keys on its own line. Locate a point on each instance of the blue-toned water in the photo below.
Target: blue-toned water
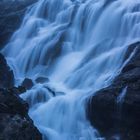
{"x": 120, "y": 98}
{"x": 80, "y": 46}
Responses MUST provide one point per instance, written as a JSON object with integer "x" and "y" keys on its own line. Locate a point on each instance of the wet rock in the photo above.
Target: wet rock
{"x": 11, "y": 15}
{"x": 6, "y": 74}
{"x": 27, "y": 83}
{"x": 11, "y": 103}
{"x": 14, "y": 120}
{"x": 42, "y": 80}
{"x": 15, "y": 127}
{"x": 122, "y": 119}
{"x": 17, "y": 90}
{"x": 21, "y": 89}
{"x": 135, "y": 61}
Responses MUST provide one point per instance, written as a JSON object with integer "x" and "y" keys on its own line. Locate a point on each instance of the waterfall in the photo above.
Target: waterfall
{"x": 80, "y": 46}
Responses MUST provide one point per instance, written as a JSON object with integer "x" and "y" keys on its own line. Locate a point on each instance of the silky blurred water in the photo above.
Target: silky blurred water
{"x": 80, "y": 46}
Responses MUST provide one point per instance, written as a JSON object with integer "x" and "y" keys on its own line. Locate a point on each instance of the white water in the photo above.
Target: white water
{"x": 80, "y": 46}
{"x": 120, "y": 98}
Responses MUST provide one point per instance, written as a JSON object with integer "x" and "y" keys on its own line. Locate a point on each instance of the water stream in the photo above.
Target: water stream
{"x": 80, "y": 46}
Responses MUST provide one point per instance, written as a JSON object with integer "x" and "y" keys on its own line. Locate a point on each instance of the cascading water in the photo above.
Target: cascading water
{"x": 80, "y": 46}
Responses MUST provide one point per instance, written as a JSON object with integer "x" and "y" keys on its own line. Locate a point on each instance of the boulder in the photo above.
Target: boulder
{"x": 27, "y": 83}
{"x": 42, "y": 79}
{"x": 121, "y": 118}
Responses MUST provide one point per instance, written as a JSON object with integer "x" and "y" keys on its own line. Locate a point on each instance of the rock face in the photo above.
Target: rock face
{"x": 14, "y": 120}
{"x": 15, "y": 123}
{"x": 11, "y": 15}
{"x": 6, "y": 75}
{"x": 119, "y": 118}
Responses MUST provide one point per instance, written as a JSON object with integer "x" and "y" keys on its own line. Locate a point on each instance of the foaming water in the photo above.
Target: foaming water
{"x": 80, "y": 46}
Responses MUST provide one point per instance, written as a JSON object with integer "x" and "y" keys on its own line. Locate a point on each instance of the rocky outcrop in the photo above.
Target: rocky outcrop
{"x": 115, "y": 113}
{"x": 15, "y": 123}
{"x": 14, "y": 120}
{"x": 6, "y": 74}
{"x": 11, "y": 15}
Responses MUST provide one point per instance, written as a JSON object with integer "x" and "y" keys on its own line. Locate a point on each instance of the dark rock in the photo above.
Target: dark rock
{"x": 27, "y": 83}
{"x": 14, "y": 127}
{"x": 11, "y": 103}
{"x": 42, "y": 80}
{"x": 112, "y": 118}
{"x": 6, "y": 74}
{"x": 11, "y": 15}
{"x": 14, "y": 120}
{"x": 21, "y": 89}
{"x": 135, "y": 61}
{"x": 17, "y": 90}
